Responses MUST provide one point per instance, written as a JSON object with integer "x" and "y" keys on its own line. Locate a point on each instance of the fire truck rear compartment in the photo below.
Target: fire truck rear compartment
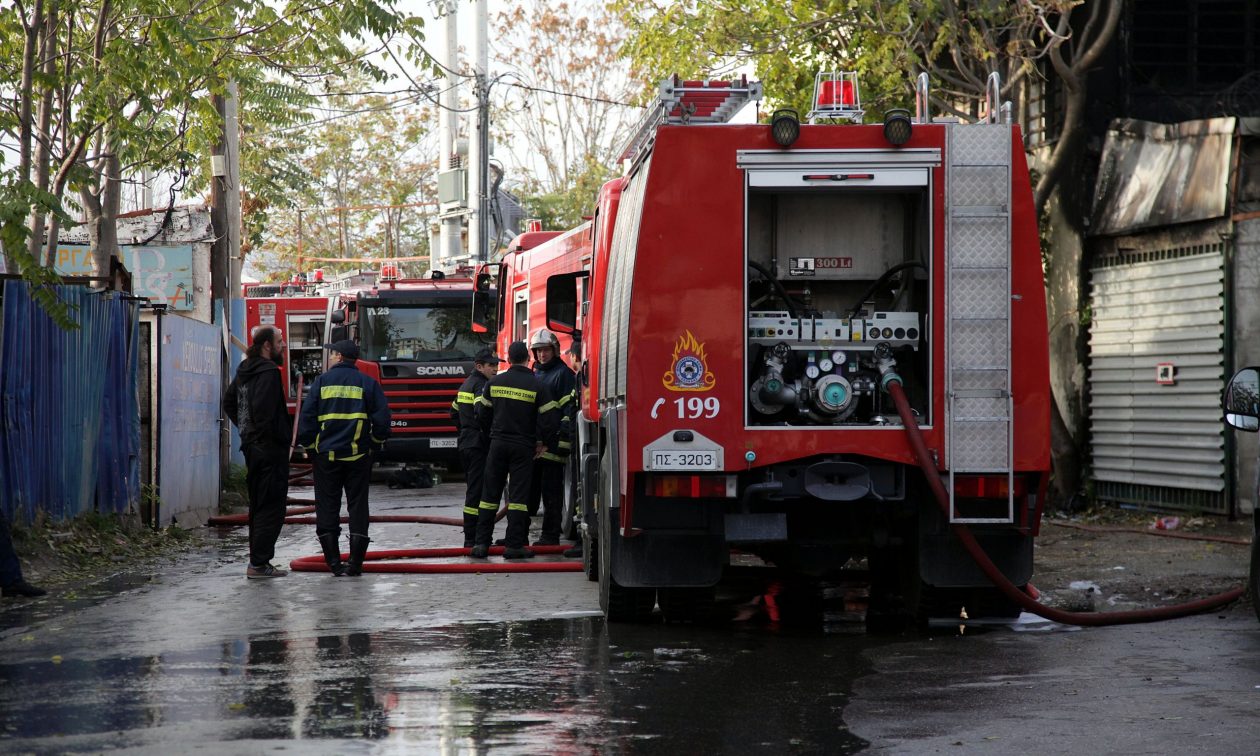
{"x": 838, "y": 300}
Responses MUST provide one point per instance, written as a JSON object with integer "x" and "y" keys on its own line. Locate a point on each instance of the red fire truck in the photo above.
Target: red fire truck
{"x": 755, "y": 298}
{"x": 414, "y": 337}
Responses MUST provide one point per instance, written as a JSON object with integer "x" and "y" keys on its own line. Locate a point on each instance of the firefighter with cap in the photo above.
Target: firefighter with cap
{"x": 516, "y": 410}
{"x": 548, "y": 477}
{"x": 344, "y": 419}
{"x": 472, "y": 441}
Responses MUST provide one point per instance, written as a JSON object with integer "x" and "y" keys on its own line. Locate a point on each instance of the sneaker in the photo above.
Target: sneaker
{"x": 574, "y": 552}
{"x": 480, "y": 552}
{"x": 548, "y": 540}
{"x": 266, "y": 571}
{"x": 518, "y": 553}
{"x": 23, "y": 588}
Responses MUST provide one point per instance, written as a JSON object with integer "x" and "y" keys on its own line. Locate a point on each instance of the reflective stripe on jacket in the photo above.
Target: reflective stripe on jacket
{"x": 560, "y": 381}
{"x": 344, "y": 414}
{"x": 517, "y": 407}
{"x": 462, "y": 412}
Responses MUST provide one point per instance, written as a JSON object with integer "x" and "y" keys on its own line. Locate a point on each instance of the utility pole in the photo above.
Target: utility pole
{"x": 479, "y": 145}
{"x": 225, "y": 264}
{"x": 449, "y": 239}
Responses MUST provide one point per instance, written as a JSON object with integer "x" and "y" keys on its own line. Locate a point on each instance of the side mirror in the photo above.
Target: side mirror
{"x": 339, "y": 332}
{"x": 483, "y": 311}
{"x": 562, "y": 302}
{"x": 338, "y": 316}
{"x": 1242, "y": 400}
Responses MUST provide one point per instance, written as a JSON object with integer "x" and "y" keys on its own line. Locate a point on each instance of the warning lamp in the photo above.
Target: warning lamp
{"x": 533, "y": 225}
{"x": 319, "y": 275}
{"x": 897, "y": 126}
{"x": 389, "y": 272}
{"x": 785, "y": 127}
{"x": 836, "y": 97}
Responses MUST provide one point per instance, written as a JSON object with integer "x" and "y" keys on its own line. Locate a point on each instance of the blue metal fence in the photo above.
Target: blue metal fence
{"x": 69, "y": 424}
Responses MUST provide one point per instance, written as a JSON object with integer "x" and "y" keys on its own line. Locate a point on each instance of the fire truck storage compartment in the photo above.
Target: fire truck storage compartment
{"x": 838, "y": 299}
{"x": 305, "y": 337}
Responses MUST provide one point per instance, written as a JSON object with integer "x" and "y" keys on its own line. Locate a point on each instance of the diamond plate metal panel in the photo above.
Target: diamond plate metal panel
{"x": 980, "y": 144}
{"x": 980, "y": 446}
{"x": 978, "y": 344}
{"x": 980, "y": 408}
{"x": 978, "y": 380}
{"x": 978, "y": 241}
{"x": 979, "y": 185}
{"x": 979, "y": 294}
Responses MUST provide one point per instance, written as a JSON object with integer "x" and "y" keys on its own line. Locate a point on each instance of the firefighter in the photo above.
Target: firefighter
{"x": 345, "y": 418}
{"x": 547, "y": 483}
{"x": 517, "y": 413}
{"x": 255, "y": 403}
{"x": 575, "y": 356}
{"x": 472, "y": 442}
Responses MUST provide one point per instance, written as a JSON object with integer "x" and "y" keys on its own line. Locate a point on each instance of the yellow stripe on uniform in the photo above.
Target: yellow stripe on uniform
{"x": 552, "y": 457}
{"x": 483, "y": 401}
{"x": 340, "y": 392}
{"x": 563, "y": 400}
{"x": 507, "y": 392}
{"x": 517, "y": 508}
{"x": 549, "y": 406}
{"x": 470, "y": 510}
{"x": 465, "y": 397}
{"x": 343, "y": 416}
{"x": 488, "y": 505}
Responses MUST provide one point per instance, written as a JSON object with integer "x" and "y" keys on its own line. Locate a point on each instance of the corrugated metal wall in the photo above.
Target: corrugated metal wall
{"x": 70, "y": 425}
{"x": 1161, "y": 445}
{"x": 188, "y": 374}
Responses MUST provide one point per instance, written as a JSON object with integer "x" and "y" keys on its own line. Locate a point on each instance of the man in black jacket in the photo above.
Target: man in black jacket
{"x": 472, "y": 442}
{"x": 255, "y": 403}
{"x": 517, "y": 412}
{"x": 548, "y": 480}
{"x": 345, "y": 418}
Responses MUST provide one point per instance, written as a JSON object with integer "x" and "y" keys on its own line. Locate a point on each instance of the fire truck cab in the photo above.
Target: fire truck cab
{"x": 752, "y": 294}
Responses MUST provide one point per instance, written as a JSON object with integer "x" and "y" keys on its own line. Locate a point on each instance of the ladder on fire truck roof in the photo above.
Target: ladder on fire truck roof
{"x": 686, "y": 102}
{"x": 980, "y": 431}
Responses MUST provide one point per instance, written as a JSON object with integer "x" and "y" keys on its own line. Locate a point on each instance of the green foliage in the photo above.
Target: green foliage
{"x": 565, "y": 208}
{"x": 17, "y": 197}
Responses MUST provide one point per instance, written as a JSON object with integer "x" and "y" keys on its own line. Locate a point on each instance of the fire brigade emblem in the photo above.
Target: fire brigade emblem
{"x": 689, "y": 372}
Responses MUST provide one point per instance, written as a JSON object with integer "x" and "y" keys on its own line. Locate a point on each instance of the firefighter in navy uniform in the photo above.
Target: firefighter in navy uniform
{"x": 548, "y": 477}
{"x": 517, "y": 412}
{"x": 344, "y": 419}
{"x": 472, "y": 441}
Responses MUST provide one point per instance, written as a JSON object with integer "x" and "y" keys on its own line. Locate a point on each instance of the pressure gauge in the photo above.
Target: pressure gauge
{"x": 838, "y": 357}
{"x": 811, "y": 372}
{"x": 825, "y": 365}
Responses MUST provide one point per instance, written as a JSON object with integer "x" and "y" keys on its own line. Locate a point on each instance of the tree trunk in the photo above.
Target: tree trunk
{"x": 101, "y": 216}
{"x": 43, "y": 148}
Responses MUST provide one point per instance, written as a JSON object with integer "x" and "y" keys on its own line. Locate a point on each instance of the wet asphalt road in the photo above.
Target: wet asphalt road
{"x": 196, "y": 659}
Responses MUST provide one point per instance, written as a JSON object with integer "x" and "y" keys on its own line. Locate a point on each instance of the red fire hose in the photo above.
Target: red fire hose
{"x": 999, "y": 580}
{"x": 316, "y": 563}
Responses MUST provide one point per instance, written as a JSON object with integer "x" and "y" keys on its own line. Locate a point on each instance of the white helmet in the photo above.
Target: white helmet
{"x": 544, "y": 338}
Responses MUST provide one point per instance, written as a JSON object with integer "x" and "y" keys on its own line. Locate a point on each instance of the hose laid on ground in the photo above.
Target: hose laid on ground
{"x": 317, "y": 564}
{"x": 1143, "y": 531}
{"x": 995, "y": 575}
{"x": 237, "y": 520}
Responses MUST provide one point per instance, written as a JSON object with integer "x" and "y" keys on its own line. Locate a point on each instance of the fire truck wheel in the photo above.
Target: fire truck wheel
{"x": 569, "y": 519}
{"x": 619, "y": 604}
{"x": 1254, "y": 579}
{"x": 590, "y": 553}
{"x": 687, "y": 604}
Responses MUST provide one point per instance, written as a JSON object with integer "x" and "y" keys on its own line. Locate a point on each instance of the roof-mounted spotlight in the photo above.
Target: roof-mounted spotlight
{"x": 897, "y": 126}
{"x": 785, "y": 127}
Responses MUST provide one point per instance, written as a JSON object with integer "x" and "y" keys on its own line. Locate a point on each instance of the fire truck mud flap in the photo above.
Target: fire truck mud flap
{"x": 660, "y": 560}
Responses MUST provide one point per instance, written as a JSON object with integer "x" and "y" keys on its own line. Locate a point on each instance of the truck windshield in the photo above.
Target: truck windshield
{"x": 418, "y": 333}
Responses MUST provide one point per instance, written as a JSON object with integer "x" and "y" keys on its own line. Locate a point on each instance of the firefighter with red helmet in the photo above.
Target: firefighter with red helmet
{"x": 548, "y": 478}
{"x": 517, "y": 412}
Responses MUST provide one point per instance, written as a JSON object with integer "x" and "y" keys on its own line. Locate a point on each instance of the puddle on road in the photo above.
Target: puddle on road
{"x": 773, "y": 675}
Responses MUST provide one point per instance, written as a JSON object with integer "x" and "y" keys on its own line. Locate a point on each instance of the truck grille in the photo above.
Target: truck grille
{"x": 421, "y": 406}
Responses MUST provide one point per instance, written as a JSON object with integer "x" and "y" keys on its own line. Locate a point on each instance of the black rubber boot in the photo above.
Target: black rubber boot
{"x": 485, "y": 527}
{"x": 470, "y": 530}
{"x": 517, "y": 529}
{"x": 550, "y": 527}
{"x": 358, "y": 548}
{"x": 332, "y": 553}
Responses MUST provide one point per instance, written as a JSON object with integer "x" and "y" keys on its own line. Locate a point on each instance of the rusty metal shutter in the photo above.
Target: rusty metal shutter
{"x": 1152, "y": 443}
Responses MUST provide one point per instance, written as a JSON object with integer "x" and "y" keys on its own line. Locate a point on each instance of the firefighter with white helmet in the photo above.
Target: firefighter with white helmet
{"x": 547, "y": 485}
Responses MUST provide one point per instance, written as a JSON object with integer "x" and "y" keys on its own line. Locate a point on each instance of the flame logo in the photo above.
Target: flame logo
{"x": 690, "y": 371}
